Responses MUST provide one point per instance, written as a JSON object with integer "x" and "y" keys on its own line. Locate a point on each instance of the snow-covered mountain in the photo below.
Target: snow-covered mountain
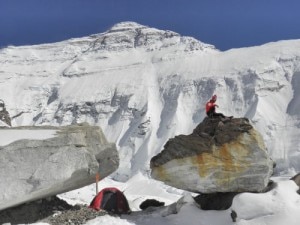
{"x": 143, "y": 85}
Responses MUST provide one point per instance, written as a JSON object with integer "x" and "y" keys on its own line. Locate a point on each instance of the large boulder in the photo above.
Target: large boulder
{"x": 219, "y": 156}
{"x": 38, "y": 162}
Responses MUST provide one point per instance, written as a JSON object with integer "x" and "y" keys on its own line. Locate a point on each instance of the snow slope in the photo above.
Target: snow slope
{"x": 276, "y": 207}
{"x": 143, "y": 86}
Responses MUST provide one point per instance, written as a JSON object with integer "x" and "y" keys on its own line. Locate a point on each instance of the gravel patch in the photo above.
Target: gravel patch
{"x": 51, "y": 210}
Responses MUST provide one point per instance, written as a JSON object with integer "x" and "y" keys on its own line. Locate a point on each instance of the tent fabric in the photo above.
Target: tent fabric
{"x": 112, "y": 200}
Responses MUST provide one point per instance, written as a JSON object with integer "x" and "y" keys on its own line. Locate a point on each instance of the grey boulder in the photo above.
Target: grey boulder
{"x": 57, "y": 160}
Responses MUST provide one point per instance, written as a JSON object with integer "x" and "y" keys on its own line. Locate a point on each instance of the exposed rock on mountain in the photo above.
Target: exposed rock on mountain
{"x": 4, "y": 115}
{"x": 219, "y": 156}
{"x": 296, "y": 179}
{"x": 67, "y": 160}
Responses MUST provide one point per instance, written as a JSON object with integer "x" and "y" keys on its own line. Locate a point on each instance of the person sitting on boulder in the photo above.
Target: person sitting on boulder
{"x": 211, "y": 109}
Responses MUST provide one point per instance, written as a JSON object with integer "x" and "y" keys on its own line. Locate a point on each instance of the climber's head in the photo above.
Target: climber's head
{"x": 214, "y": 98}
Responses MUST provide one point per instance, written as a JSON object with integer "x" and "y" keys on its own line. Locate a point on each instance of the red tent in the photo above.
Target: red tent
{"x": 112, "y": 200}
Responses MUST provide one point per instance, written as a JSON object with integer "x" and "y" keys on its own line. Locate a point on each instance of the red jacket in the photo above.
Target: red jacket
{"x": 210, "y": 105}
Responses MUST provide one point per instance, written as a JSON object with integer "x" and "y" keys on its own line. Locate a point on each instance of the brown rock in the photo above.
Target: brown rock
{"x": 219, "y": 156}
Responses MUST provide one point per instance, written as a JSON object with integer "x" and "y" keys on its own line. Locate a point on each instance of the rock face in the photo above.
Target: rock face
{"x": 4, "y": 115}
{"x": 34, "y": 169}
{"x": 296, "y": 179}
{"x": 219, "y": 156}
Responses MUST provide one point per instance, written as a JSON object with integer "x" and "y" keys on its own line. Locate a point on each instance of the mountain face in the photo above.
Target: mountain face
{"x": 143, "y": 86}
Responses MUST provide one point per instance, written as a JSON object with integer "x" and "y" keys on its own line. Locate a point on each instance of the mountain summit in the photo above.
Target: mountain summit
{"x": 133, "y": 35}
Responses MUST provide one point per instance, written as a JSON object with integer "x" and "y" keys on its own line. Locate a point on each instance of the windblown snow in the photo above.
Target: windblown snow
{"x": 143, "y": 85}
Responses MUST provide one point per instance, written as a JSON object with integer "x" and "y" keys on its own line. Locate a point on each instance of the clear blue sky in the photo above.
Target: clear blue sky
{"x": 223, "y": 23}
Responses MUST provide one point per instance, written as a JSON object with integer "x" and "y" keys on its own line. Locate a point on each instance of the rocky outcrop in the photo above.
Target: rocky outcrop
{"x": 4, "y": 115}
{"x": 151, "y": 203}
{"x": 296, "y": 179}
{"x": 219, "y": 156}
{"x": 38, "y": 167}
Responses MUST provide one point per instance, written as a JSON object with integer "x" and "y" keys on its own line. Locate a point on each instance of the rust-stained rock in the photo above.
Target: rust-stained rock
{"x": 219, "y": 156}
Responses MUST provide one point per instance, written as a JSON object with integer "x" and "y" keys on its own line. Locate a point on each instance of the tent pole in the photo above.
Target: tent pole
{"x": 97, "y": 180}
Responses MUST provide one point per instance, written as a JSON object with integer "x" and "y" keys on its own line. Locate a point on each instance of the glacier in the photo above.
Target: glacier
{"x": 143, "y": 86}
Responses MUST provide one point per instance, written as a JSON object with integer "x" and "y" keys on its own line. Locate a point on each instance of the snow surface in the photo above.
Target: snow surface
{"x": 143, "y": 86}
{"x": 11, "y": 135}
{"x": 277, "y": 207}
